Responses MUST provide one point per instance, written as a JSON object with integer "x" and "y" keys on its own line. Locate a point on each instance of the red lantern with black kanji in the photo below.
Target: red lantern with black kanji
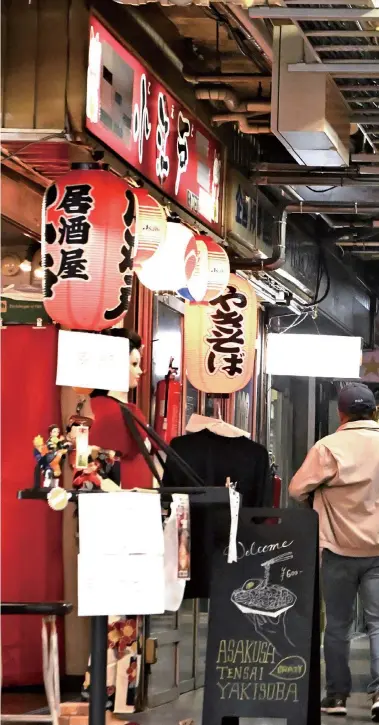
{"x": 90, "y": 221}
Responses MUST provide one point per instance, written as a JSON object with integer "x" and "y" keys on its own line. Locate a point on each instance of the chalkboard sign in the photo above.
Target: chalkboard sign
{"x": 263, "y": 653}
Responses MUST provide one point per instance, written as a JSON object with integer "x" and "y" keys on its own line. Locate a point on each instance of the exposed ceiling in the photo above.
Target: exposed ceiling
{"x": 228, "y": 58}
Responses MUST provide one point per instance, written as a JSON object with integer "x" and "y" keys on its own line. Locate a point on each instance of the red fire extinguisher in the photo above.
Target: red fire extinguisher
{"x": 276, "y": 487}
{"x": 167, "y": 408}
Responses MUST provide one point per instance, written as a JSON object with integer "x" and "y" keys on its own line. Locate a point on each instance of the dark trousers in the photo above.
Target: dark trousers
{"x": 343, "y": 578}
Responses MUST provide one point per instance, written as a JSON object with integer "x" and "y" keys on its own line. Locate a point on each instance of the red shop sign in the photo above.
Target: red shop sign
{"x": 134, "y": 115}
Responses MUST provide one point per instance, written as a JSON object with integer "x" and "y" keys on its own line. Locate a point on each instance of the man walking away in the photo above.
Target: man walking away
{"x": 343, "y": 472}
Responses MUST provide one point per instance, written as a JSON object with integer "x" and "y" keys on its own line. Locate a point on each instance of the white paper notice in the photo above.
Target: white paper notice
{"x": 86, "y": 360}
{"x": 121, "y": 559}
{"x": 234, "y": 501}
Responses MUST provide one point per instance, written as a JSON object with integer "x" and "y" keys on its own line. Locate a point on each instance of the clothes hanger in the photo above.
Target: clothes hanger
{"x": 198, "y": 423}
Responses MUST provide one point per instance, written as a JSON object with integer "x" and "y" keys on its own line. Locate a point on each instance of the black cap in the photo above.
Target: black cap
{"x": 356, "y": 398}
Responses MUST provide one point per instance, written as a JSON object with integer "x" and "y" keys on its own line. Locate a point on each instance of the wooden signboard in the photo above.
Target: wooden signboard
{"x": 263, "y": 654}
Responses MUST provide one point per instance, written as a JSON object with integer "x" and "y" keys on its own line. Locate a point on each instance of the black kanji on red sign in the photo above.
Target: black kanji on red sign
{"x": 73, "y": 264}
{"x": 74, "y": 230}
{"x": 77, "y": 199}
{"x": 126, "y": 264}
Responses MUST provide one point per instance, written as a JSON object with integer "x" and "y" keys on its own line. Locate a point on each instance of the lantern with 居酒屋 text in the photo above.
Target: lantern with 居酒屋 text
{"x": 89, "y": 228}
{"x": 207, "y": 269}
{"x": 219, "y": 339}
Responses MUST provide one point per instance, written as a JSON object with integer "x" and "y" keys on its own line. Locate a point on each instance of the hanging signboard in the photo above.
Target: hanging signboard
{"x": 220, "y": 339}
{"x": 132, "y": 113}
{"x": 263, "y": 651}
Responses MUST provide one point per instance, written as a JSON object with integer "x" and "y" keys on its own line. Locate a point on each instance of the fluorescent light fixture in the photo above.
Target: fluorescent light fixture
{"x": 314, "y": 356}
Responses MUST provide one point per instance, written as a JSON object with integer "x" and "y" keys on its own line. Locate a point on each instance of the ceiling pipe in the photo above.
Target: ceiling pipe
{"x": 254, "y": 30}
{"x": 271, "y": 263}
{"x": 243, "y": 123}
{"x": 305, "y": 208}
{"x": 224, "y": 78}
{"x": 231, "y": 100}
{"x": 279, "y": 252}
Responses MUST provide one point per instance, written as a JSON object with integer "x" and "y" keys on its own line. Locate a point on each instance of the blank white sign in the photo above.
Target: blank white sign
{"x": 314, "y": 356}
{"x": 87, "y": 360}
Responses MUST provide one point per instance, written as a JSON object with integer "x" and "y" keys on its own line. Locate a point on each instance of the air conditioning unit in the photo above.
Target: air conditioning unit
{"x": 308, "y": 112}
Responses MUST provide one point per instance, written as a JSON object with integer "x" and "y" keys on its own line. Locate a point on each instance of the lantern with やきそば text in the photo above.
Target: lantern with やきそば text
{"x": 207, "y": 269}
{"x": 91, "y": 218}
{"x": 219, "y": 339}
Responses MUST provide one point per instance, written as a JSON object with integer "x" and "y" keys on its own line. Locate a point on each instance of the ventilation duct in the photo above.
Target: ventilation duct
{"x": 308, "y": 113}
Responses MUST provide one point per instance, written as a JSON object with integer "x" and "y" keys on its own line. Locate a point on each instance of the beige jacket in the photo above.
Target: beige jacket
{"x": 343, "y": 470}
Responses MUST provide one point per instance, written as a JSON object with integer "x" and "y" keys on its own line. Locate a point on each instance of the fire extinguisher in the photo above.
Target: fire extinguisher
{"x": 276, "y": 486}
{"x": 167, "y": 408}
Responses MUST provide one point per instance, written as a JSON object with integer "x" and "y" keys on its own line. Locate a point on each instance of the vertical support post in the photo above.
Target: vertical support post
{"x": 99, "y": 641}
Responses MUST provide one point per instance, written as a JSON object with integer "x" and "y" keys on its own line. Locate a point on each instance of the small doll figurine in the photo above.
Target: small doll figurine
{"x": 55, "y": 440}
{"x": 99, "y": 473}
{"x": 49, "y": 455}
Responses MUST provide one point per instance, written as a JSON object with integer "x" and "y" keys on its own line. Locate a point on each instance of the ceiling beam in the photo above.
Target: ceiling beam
{"x": 366, "y": 48}
{"x": 360, "y": 88}
{"x": 343, "y": 34}
{"x": 365, "y": 120}
{"x": 337, "y": 68}
{"x": 363, "y": 99}
{"x": 305, "y": 14}
{"x": 359, "y": 3}
{"x": 365, "y": 158}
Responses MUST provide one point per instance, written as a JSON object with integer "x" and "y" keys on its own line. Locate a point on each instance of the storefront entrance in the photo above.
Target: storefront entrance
{"x": 182, "y": 640}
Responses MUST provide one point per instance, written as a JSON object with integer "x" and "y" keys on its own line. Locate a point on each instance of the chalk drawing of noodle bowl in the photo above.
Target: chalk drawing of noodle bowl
{"x": 260, "y": 597}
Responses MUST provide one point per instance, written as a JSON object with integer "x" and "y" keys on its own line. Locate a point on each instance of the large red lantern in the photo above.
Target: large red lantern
{"x": 219, "y": 339}
{"x": 90, "y": 223}
{"x": 207, "y": 269}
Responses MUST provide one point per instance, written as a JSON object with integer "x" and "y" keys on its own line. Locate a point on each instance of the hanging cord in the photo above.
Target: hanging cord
{"x": 160, "y": 443}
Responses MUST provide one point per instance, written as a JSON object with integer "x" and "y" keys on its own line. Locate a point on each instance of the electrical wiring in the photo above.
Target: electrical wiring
{"x": 295, "y": 323}
{"x": 320, "y": 191}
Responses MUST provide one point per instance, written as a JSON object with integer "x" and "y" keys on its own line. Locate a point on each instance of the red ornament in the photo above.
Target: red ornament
{"x": 88, "y": 220}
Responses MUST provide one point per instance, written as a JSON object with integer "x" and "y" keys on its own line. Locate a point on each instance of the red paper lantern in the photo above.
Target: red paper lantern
{"x": 90, "y": 224}
{"x": 219, "y": 339}
{"x": 207, "y": 269}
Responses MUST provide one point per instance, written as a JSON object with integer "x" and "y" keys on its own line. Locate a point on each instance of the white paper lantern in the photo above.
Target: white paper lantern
{"x": 164, "y": 271}
{"x": 207, "y": 270}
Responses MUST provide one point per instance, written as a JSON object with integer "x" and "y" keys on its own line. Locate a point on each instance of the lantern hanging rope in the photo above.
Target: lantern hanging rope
{"x": 207, "y": 269}
{"x": 164, "y": 272}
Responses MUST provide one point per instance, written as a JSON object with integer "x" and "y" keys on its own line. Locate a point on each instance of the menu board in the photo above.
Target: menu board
{"x": 263, "y": 654}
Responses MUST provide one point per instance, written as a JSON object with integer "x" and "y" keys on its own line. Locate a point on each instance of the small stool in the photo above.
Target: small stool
{"x": 49, "y": 611}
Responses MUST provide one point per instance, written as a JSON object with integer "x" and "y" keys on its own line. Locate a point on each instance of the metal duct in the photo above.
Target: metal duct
{"x": 223, "y": 77}
{"x": 243, "y": 123}
{"x": 305, "y": 208}
{"x": 278, "y": 257}
{"x": 231, "y": 100}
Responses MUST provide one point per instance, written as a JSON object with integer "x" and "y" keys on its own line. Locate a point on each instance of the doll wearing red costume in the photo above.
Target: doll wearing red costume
{"x": 109, "y": 431}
